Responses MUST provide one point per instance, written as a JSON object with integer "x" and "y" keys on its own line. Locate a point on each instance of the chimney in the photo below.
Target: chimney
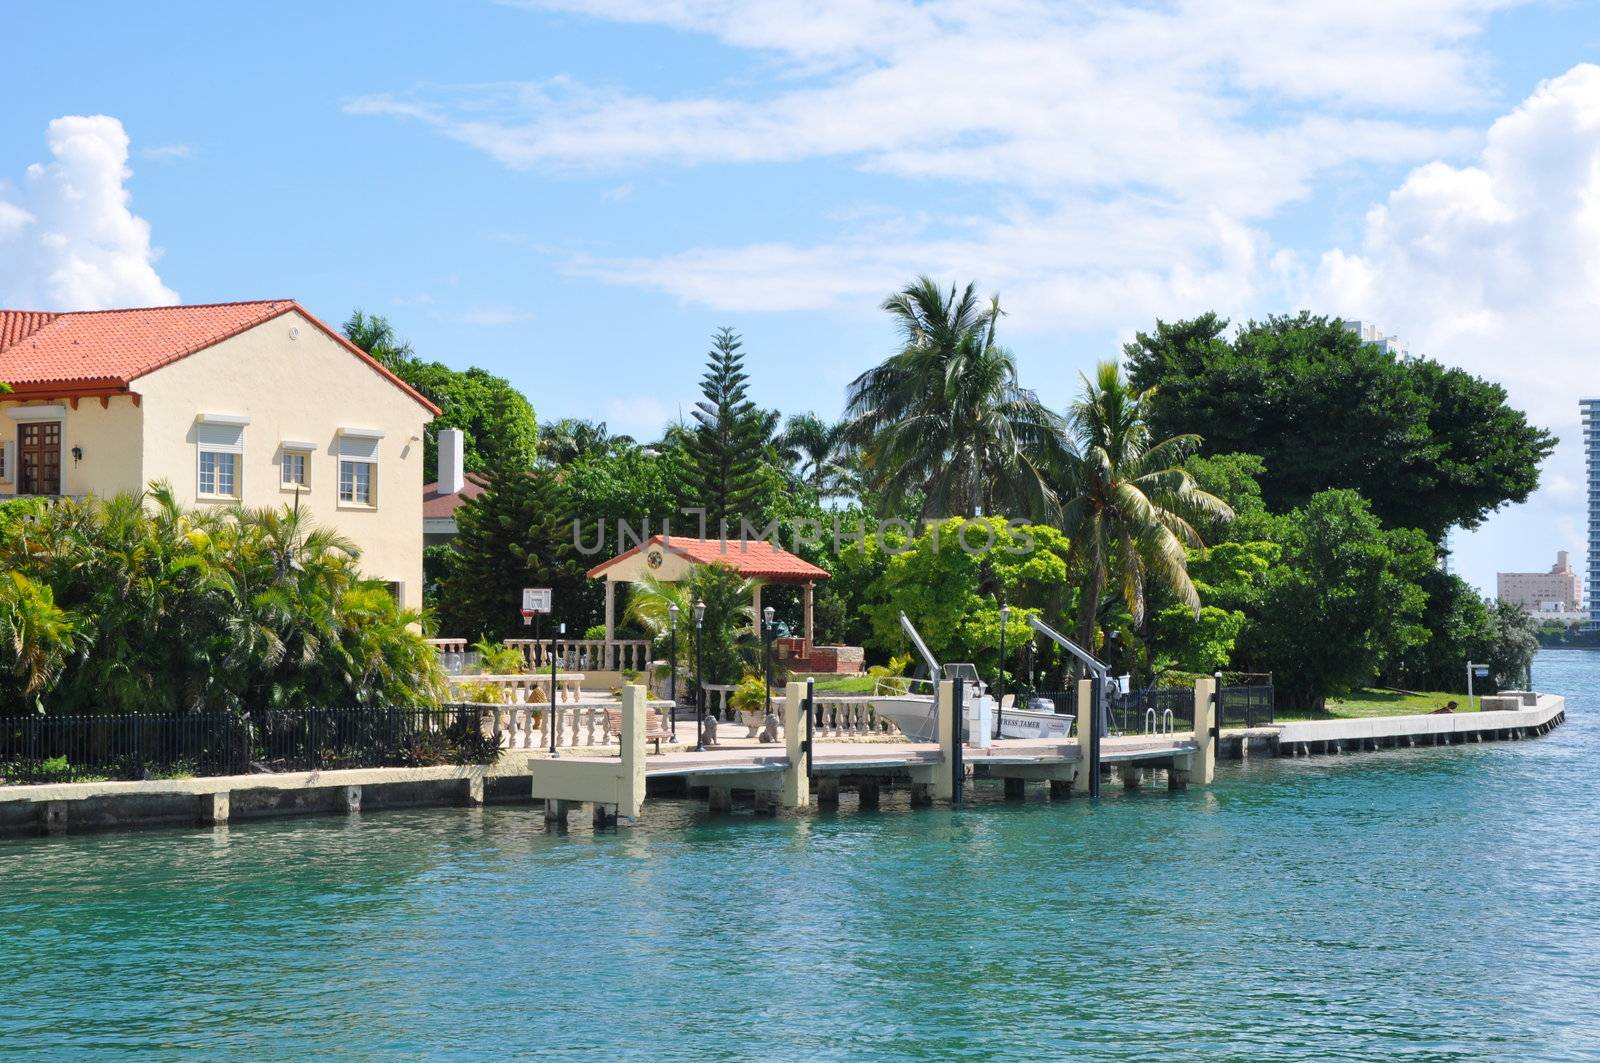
{"x": 452, "y": 474}
{"x": 1562, "y": 566}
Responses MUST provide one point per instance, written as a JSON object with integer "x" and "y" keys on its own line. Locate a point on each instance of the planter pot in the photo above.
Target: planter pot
{"x": 752, "y": 720}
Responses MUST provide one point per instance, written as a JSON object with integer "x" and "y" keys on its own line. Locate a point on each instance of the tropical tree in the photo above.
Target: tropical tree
{"x": 497, "y": 422}
{"x": 1430, "y": 447}
{"x": 815, "y": 450}
{"x": 1346, "y": 603}
{"x": 377, "y": 337}
{"x": 723, "y": 451}
{"x": 1128, "y": 502}
{"x": 649, "y": 607}
{"x": 137, "y": 604}
{"x": 571, "y": 438}
{"x": 945, "y": 417}
{"x": 518, "y": 533}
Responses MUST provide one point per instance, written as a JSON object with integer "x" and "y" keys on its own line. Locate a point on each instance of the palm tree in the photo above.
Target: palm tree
{"x": 814, "y": 448}
{"x": 376, "y": 336}
{"x": 945, "y": 416}
{"x": 1127, "y": 501}
{"x": 571, "y": 438}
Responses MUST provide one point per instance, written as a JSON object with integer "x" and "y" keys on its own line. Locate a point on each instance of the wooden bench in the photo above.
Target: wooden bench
{"x": 655, "y": 729}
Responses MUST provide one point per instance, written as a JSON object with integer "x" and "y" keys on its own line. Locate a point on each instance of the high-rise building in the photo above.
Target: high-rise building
{"x": 1553, "y": 595}
{"x": 1371, "y": 333}
{"x": 1591, "y": 448}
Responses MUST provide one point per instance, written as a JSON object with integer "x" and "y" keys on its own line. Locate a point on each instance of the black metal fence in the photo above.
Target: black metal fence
{"x": 1239, "y": 706}
{"x": 1246, "y": 706}
{"x": 138, "y": 746}
{"x": 1147, "y": 709}
{"x": 1065, "y": 701}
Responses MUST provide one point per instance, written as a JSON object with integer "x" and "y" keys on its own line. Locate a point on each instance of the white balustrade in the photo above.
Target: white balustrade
{"x": 848, "y": 717}
{"x": 595, "y": 655}
{"x": 717, "y": 695}
{"x": 519, "y": 688}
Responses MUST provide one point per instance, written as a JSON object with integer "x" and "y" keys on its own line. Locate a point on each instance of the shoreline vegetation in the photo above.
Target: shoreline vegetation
{"x": 1270, "y": 499}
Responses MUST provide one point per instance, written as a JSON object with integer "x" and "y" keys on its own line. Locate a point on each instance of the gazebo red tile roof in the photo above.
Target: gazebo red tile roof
{"x": 752, "y": 559}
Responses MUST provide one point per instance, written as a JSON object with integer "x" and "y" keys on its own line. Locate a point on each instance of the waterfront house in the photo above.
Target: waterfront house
{"x": 257, "y": 403}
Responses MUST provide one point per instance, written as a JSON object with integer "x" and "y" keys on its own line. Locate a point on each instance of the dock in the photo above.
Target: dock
{"x": 613, "y": 783}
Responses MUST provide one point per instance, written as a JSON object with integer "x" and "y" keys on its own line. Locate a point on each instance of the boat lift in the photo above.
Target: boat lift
{"x": 1099, "y": 712}
{"x": 922, "y": 647}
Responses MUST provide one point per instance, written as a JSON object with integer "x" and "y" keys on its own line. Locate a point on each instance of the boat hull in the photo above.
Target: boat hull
{"x": 1024, "y": 723}
{"x": 914, "y": 714}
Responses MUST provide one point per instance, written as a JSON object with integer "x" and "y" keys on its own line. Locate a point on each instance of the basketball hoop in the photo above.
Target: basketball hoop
{"x": 527, "y": 617}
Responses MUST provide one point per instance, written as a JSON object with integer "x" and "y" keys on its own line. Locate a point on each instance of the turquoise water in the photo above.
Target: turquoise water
{"x": 1418, "y": 905}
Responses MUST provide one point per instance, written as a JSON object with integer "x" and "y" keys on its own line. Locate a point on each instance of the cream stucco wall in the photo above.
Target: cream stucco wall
{"x": 107, "y": 436}
{"x": 302, "y": 389}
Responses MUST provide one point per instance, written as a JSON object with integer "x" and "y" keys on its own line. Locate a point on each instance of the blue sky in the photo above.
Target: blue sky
{"x": 576, "y": 193}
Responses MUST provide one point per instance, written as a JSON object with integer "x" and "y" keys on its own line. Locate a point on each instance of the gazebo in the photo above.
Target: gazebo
{"x": 672, "y": 558}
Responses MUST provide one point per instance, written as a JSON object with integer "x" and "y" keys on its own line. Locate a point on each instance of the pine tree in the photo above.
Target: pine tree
{"x": 517, "y": 534}
{"x": 724, "y": 450}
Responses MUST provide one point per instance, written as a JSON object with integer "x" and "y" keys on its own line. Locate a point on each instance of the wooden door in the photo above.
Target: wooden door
{"x": 39, "y": 457}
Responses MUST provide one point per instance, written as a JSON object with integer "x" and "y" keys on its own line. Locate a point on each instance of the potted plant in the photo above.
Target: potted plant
{"x": 499, "y": 659}
{"x": 749, "y": 700}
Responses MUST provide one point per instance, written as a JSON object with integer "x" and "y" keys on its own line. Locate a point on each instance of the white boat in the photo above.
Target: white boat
{"x": 909, "y": 704}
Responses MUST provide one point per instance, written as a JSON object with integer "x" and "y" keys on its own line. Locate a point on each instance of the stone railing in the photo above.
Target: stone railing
{"x": 591, "y": 655}
{"x": 717, "y": 695}
{"x": 577, "y": 726}
{"x": 448, "y": 645}
{"x": 518, "y": 688}
{"x": 844, "y": 717}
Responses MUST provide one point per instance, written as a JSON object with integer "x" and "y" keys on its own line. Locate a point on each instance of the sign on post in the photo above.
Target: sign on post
{"x": 534, "y": 600}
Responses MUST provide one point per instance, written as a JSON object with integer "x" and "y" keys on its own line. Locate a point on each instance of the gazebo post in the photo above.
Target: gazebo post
{"x": 811, "y": 586}
{"x": 611, "y": 610}
{"x": 755, "y": 611}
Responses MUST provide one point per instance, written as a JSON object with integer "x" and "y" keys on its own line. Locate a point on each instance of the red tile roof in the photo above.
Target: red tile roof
{"x": 443, "y": 507}
{"x": 752, "y": 559}
{"x": 42, "y": 351}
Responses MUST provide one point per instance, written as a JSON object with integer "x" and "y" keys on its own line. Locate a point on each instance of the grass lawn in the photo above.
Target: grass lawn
{"x": 1365, "y": 703}
{"x": 842, "y": 684}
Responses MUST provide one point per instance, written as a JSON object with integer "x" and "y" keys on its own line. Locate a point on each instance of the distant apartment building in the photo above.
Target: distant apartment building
{"x": 1553, "y": 595}
{"x": 1591, "y": 447}
{"x": 1371, "y": 333}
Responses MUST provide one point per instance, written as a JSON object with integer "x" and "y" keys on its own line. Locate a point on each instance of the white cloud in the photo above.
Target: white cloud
{"x": 1132, "y": 152}
{"x": 68, "y": 240}
{"x": 1495, "y": 266}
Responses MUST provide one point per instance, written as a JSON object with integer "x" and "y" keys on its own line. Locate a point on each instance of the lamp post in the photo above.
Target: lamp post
{"x": 672, "y": 682}
{"x": 562, "y": 628}
{"x": 699, "y": 681}
{"x": 1000, "y": 684}
{"x": 766, "y": 654}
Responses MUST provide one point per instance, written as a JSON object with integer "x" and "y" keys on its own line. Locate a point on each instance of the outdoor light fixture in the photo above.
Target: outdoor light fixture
{"x": 556, "y": 629}
{"x": 699, "y": 681}
{"x": 77, "y": 455}
{"x": 672, "y": 638}
{"x": 1000, "y": 684}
